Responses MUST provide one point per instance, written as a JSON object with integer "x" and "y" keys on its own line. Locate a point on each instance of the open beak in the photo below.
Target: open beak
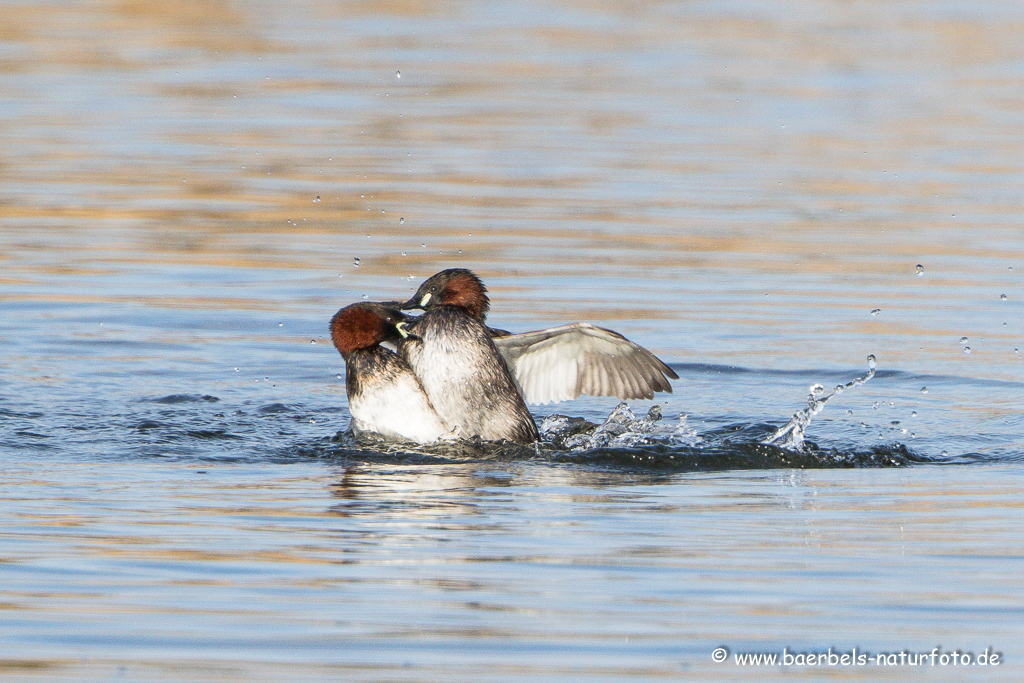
{"x": 403, "y": 329}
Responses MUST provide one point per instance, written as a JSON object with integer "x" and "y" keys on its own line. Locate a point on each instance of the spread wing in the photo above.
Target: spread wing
{"x": 563, "y": 362}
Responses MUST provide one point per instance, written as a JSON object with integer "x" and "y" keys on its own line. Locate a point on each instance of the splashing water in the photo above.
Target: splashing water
{"x": 622, "y": 429}
{"x": 791, "y": 435}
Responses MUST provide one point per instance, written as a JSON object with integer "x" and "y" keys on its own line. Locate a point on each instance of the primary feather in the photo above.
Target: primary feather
{"x": 563, "y": 362}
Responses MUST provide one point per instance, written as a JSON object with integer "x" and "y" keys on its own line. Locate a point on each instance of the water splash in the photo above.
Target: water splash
{"x": 622, "y": 429}
{"x": 791, "y": 435}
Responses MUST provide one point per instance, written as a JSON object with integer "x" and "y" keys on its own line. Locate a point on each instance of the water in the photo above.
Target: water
{"x": 762, "y": 195}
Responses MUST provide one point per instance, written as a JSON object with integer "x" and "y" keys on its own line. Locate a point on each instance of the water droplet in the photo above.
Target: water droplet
{"x": 337, "y": 377}
{"x": 840, "y": 389}
{"x": 816, "y": 389}
{"x": 423, "y": 245}
{"x": 405, "y": 253}
{"x": 317, "y": 199}
{"x": 398, "y": 74}
{"x": 913, "y": 413}
{"x": 312, "y": 341}
{"x": 945, "y": 453}
{"x": 1016, "y": 350}
{"x": 1002, "y": 297}
{"x": 876, "y": 311}
{"x": 967, "y": 349}
{"x": 871, "y": 361}
{"x": 312, "y": 421}
{"x": 920, "y": 270}
{"x": 963, "y": 340}
{"x": 849, "y": 412}
{"x": 280, "y": 324}
{"x": 366, "y": 297}
{"x": 401, "y": 221}
{"x": 356, "y": 262}
{"x": 924, "y": 390}
{"x": 236, "y": 369}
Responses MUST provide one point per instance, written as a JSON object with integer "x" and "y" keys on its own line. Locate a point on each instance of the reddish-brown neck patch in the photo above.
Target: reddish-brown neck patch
{"x": 354, "y": 327}
{"x": 468, "y": 293}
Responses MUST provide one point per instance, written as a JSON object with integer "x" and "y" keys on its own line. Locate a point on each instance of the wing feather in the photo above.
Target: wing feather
{"x": 563, "y": 362}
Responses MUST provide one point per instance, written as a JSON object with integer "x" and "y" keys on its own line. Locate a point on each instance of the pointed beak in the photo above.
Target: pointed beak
{"x": 416, "y": 302}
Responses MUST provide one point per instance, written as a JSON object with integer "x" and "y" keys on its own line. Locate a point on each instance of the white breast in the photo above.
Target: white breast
{"x": 397, "y": 409}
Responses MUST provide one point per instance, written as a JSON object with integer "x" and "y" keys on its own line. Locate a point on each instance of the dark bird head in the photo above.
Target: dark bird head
{"x": 453, "y": 287}
{"x": 365, "y": 325}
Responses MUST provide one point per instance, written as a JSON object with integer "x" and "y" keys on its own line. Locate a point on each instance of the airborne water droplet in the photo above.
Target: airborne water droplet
{"x": 398, "y": 74}
{"x": 924, "y": 390}
{"x": 967, "y": 349}
{"x": 963, "y": 340}
{"x": 876, "y": 311}
{"x": 920, "y": 270}
{"x": 356, "y": 262}
{"x": 871, "y": 361}
{"x": 401, "y": 221}
{"x": 1002, "y": 297}
{"x": 317, "y": 199}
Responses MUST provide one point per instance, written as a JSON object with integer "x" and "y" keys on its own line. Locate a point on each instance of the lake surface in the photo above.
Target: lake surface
{"x": 762, "y": 194}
